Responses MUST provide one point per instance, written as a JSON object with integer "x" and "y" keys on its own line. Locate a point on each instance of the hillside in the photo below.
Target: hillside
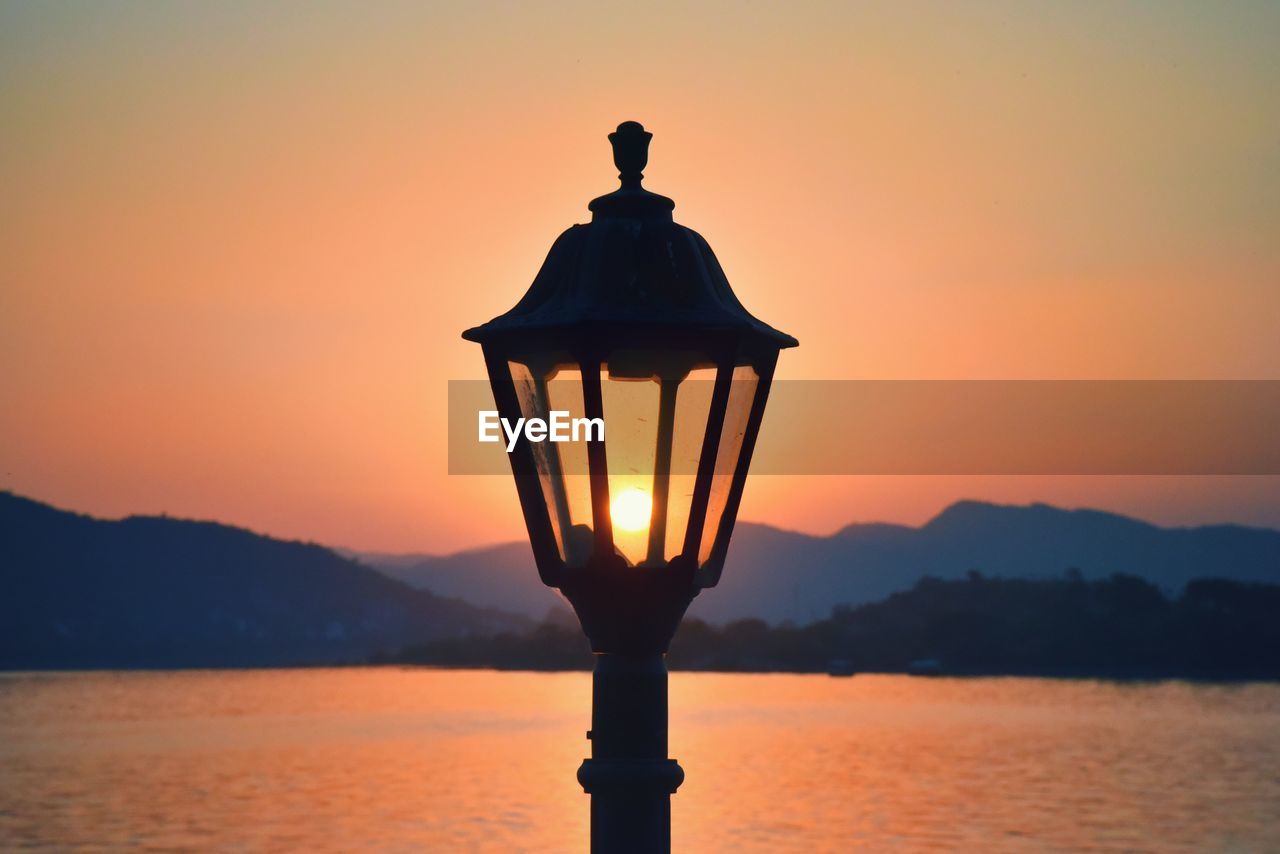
{"x": 80, "y": 592}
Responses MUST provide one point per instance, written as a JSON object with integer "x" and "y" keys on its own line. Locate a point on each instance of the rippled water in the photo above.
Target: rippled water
{"x": 420, "y": 759}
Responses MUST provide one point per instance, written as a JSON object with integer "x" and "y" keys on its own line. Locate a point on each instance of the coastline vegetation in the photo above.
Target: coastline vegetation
{"x": 1120, "y": 627}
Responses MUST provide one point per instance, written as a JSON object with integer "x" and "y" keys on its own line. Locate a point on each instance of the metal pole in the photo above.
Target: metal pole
{"x": 629, "y": 777}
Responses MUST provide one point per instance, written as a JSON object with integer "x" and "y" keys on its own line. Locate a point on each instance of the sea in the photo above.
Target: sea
{"x": 419, "y": 759}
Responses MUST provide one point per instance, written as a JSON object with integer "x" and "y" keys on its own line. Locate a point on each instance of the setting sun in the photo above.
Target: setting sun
{"x": 630, "y": 510}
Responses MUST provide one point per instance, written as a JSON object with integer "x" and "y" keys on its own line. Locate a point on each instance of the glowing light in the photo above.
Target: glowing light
{"x": 630, "y": 509}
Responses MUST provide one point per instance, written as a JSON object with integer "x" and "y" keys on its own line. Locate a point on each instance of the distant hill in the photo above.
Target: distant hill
{"x": 782, "y": 575}
{"x": 501, "y": 576}
{"x": 79, "y": 592}
{"x": 154, "y": 592}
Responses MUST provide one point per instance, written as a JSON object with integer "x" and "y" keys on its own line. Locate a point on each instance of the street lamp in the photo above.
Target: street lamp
{"x": 632, "y": 321}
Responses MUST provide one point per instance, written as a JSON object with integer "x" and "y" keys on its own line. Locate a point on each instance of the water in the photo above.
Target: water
{"x": 398, "y": 760}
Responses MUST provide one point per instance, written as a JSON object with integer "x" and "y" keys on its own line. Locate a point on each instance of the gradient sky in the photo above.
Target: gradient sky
{"x": 238, "y": 243}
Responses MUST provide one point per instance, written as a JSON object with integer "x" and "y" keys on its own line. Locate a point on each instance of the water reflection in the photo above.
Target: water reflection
{"x": 403, "y": 759}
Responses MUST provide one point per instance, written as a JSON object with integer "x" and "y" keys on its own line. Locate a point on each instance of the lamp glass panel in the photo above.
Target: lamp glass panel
{"x": 561, "y": 466}
{"x": 653, "y": 438}
{"x": 742, "y": 394}
{"x": 631, "y": 421}
{"x": 693, "y": 409}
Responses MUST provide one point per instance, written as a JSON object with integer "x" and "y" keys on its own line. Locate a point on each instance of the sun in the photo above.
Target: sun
{"x": 630, "y": 509}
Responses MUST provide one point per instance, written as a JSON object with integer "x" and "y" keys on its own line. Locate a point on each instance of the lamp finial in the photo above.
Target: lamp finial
{"x": 630, "y": 152}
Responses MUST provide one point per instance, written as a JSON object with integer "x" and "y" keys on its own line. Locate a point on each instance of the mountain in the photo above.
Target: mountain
{"x": 79, "y": 592}
{"x": 501, "y": 576}
{"x": 152, "y": 592}
{"x": 783, "y": 575}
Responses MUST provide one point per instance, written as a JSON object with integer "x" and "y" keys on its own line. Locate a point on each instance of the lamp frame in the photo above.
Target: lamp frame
{"x": 627, "y": 608}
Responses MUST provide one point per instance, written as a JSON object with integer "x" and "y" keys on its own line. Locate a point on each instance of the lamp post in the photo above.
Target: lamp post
{"x": 632, "y": 321}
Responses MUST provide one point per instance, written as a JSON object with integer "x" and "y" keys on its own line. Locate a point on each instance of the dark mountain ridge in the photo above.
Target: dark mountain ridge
{"x": 79, "y": 592}
{"x": 155, "y": 592}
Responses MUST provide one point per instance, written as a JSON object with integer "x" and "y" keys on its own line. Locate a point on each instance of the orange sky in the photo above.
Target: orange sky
{"x": 237, "y": 244}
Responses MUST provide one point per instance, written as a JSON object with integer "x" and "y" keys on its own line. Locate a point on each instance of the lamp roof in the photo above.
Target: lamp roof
{"x": 631, "y": 267}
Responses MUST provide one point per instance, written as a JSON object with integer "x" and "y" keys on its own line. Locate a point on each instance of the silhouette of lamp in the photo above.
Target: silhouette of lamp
{"x": 631, "y": 321}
